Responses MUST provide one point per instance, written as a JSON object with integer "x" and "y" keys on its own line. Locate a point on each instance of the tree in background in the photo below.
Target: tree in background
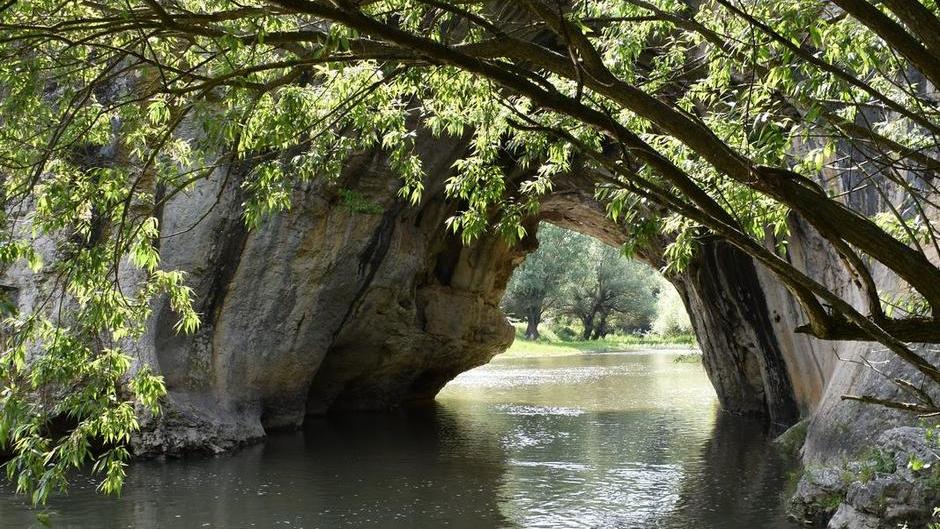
{"x": 572, "y": 274}
{"x": 611, "y": 287}
{"x": 540, "y": 282}
{"x": 672, "y": 319}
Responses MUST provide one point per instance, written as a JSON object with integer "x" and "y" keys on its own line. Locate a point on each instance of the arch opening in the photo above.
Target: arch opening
{"x": 724, "y": 294}
{"x": 416, "y": 327}
{"x": 593, "y": 425}
{"x": 576, "y": 291}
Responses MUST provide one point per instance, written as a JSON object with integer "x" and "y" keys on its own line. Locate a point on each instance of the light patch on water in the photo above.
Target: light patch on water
{"x": 633, "y": 496}
{"x": 498, "y": 376}
{"x": 554, "y": 465}
{"x": 511, "y": 409}
{"x": 521, "y": 440}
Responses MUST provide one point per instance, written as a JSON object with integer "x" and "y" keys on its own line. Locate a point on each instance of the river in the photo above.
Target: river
{"x": 621, "y": 440}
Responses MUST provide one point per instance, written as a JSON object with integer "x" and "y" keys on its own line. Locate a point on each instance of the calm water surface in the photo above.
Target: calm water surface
{"x": 627, "y": 440}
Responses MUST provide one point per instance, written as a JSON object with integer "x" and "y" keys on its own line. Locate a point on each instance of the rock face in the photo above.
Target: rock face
{"x": 742, "y": 355}
{"x": 897, "y": 482}
{"x": 353, "y": 300}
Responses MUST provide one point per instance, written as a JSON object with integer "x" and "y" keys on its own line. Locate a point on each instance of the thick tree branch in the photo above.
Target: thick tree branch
{"x": 928, "y": 63}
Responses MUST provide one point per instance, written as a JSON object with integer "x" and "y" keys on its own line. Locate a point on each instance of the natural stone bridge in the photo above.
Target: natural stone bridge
{"x": 357, "y": 300}
{"x": 371, "y": 303}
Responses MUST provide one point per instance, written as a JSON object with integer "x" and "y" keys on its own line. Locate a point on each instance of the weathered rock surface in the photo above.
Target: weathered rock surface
{"x": 897, "y": 482}
{"x": 742, "y": 355}
{"x": 818, "y": 494}
{"x": 350, "y": 301}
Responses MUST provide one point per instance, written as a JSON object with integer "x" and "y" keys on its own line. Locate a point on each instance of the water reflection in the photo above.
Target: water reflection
{"x": 737, "y": 481}
{"x": 416, "y": 469}
{"x": 619, "y": 440}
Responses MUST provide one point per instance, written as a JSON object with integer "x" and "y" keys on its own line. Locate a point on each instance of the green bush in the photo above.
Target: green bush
{"x": 566, "y": 334}
{"x": 881, "y": 461}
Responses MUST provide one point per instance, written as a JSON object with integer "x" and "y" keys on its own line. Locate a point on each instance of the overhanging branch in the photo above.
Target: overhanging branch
{"x": 915, "y": 330}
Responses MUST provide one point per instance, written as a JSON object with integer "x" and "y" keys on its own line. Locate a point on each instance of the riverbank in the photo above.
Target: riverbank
{"x": 550, "y": 345}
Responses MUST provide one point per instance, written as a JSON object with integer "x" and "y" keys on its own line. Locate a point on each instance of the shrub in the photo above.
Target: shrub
{"x": 566, "y": 334}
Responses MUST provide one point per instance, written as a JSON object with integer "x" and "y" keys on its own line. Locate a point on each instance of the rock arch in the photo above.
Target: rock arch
{"x": 367, "y": 303}
{"x": 725, "y": 300}
{"x": 357, "y": 300}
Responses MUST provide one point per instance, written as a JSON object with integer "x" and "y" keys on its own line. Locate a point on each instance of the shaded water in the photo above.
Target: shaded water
{"x": 606, "y": 440}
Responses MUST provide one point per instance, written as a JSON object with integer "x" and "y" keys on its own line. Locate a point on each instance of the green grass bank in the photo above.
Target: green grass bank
{"x": 551, "y": 345}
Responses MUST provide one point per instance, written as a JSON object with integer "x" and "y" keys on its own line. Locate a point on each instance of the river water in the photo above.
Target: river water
{"x": 626, "y": 440}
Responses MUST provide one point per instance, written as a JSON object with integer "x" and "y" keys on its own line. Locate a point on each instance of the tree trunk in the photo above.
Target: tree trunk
{"x": 588, "y": 323}
{"x": 533, "y": 318}
{"x": 600, "y": 330}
